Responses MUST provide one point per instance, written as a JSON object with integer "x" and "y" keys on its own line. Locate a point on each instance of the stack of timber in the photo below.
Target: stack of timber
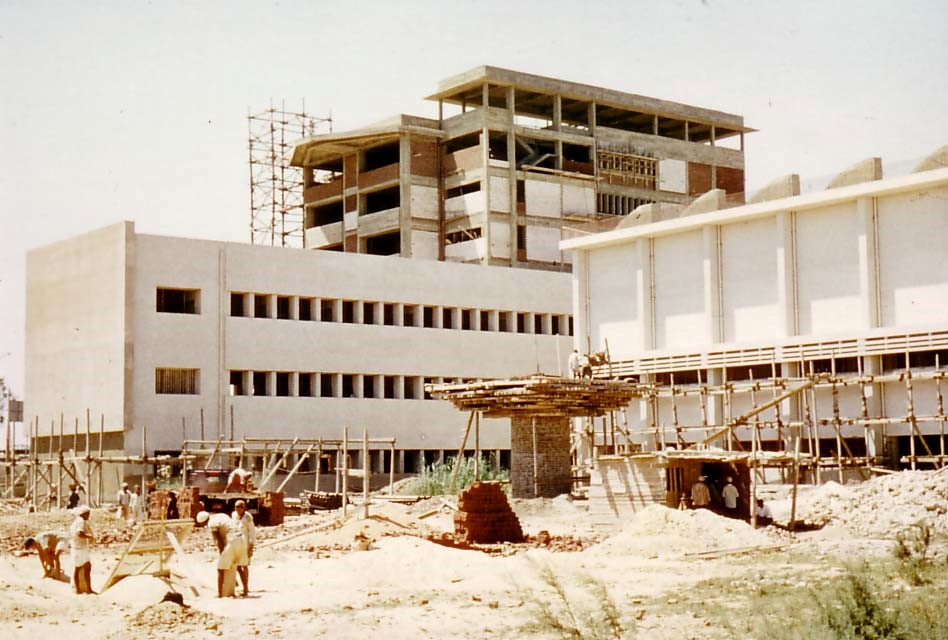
{"x": 538, "y": 395}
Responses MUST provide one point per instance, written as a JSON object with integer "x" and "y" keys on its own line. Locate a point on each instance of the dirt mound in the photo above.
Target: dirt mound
{"x": 882, "y": 506}
{"x": 166, "y": 620}
{"x": 17, "y": 526}
{"x": 658, "y": 531}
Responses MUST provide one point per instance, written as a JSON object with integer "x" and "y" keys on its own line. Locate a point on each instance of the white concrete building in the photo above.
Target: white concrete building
{"x": 852, "y": 279}
{"x": 153, "y": 332}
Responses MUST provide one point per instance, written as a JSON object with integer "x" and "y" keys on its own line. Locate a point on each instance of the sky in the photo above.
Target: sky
{"x": 131, "y": 110}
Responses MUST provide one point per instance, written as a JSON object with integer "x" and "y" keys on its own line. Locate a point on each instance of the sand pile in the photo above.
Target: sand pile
{"x": 385, "y": 519}
{"x": 167, "y": 620}
{"x": 658, "y": 531}
{"x": 882, "y": 506}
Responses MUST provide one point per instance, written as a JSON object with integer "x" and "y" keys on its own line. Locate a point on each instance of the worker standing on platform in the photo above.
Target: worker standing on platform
{"x": 237, "y": 480}
{"x": 574, "y": 367}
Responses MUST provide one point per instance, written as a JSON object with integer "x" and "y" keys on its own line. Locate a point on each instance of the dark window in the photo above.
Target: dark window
{"x": 260, "y": 305}
{"x": 325, "y": 385}
{"x": 389, "y": 390}
{"x": 570, "y": 325}
{"x": 521, "y": 323}
{"x": 502, "y": 321}
{"x": 428, "y": 381}
{"x": 178, "y": 300}
{"x": 408, "y": 315}
{"x": 466, "y": 318}
{"x": 555, "y": 325}
{"x": 177, "y": 381}
{"x": 447, "y": 318}
{"x": 485, "y": 320}
{"x": 688, "y": 376}
{"x": 237, "y": 305}
{"x": 388, "y": 314}
{"x": 237, "y": 383}
{"x": 348, "y": 385}
{"x": 746, "y": 372}
{"x": 521, "y": 191}
{"x": 387, "y": 244}
{"x": 410, "y": 387}
{"x": 259, "y": 383}
{"x": 306, "y": 309}
{"x": 538, "y": 324}
{"x": 428, "y": 316}
{"x": 283, "y": 307}
{"x": 825, "y": 365}
{"x": 282, "y": 383}
{"x": 327, "y": 310}
{"x": 471, "y": 187}
{"x": 305, "y": 385}
{"x": 368, "y": 313}
{"x": 368, "y": 386}
{"x": 348, "y": 311}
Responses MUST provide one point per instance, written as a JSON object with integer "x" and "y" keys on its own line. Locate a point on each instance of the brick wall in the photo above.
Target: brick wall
{"x": 552, "y": 458}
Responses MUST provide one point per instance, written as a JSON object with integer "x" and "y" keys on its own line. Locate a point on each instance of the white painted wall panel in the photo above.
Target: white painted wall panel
{"x": 499, "y": 194}
{"x": 581, "y": 200}
{"x": 614, "y": 309}
{"x": 466, "y": 251}
{"x": 913, "y": 258}
{"x": 828, "y": 270}
{"x": 424, "y": 202}
{"x": 464, "y": 205}
{"x": 499, "y": 240}
{"x": 680, "y": 317}
{"x": 671, "y": 175}
{"x": 543, "y": 244}
{"x": 543, "y": 198}
{"x": 424, "y": 245}
{"x": 749, "y": 276}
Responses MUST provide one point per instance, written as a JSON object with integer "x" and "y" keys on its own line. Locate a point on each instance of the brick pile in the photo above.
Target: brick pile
{"x": 189, "y": 502}
{"x": 270, "y": 508}
{"x": 484, "y": 516}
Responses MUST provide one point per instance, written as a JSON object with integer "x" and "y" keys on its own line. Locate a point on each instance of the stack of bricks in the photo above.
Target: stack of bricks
{"x": 270, "y": 508}
{"x": 485, "y": 516}
{"x": 189, "y": 502}
{"x": 543, "y": 441}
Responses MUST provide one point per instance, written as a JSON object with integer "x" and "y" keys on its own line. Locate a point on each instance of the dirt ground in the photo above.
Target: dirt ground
{"x": 307, "y": 579}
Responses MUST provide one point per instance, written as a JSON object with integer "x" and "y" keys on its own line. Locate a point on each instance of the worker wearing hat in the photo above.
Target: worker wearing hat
{"x": 700, "y": 494}
{"x": 228, "y": 535}
{"x": 80, "y": 537}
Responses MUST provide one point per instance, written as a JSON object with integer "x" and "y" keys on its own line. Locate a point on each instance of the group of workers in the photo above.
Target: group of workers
{"x": 235, "y": 536}
{"x": 701, "y": 499}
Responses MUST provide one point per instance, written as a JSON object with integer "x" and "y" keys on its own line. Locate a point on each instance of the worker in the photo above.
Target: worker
{"x": 49, "y": 546}
{"x": 237, "y": 480}
{"x": 124, "y": 499}
{"x": 136, "y": 506}
{"x": 73, "y": 500}
{"x": 80, "y": 537}
{"x": 730, "y": 495}
{"x": 765, "y": 517}
{"x": 574, "y": 367}
{"x": 700, "y": 494}
{"x": 231, "y": 544}
{"x": 245, "y": 520}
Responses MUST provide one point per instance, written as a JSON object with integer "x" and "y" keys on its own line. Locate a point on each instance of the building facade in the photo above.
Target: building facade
{"x": 519, "y": 158}
{"x": 850, "y": 282}
{"x": 192, "y": 338}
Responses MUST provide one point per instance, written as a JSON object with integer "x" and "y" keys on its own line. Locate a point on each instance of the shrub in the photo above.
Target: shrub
{"x": 435, "y": 480}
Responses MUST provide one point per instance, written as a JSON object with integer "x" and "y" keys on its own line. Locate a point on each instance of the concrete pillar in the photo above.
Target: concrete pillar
{"x": 645, "y": 287}
{"x": 875, "y": 438}
{"x": 786, "y": 270}
{"x": 581, "y": 299}
{"x": 868, "y": 262}
{"x": 712, "y": 283}
{"x": 540, "y": 445}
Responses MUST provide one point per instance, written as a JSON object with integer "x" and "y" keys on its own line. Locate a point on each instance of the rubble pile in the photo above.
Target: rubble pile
{"x": 485, "y": 516}
{"x": 166, "y": 619}
{"x": 882, "y": 506}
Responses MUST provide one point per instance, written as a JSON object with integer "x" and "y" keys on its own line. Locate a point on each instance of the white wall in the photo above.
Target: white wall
{"x": 424, "y": 245}
{"x": 749, "y": 276}
{"x": 542, "y": 198}
{"x": 680, "y": 317}
{"x": 614, "y": 301}
{"x": 543, "y": 244}
{"x": 424, "y": 202}
{"x": 671, "y": 175}
{"x": 913, "y": 257}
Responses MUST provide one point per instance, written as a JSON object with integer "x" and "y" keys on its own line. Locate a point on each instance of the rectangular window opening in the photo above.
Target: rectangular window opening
{"x": 237, "y": 308}
{"x": 178, "y": 300}
{"x": 282, "y": 383}
{"x": 177, "y": 381}
{"x": 305, "y": 311}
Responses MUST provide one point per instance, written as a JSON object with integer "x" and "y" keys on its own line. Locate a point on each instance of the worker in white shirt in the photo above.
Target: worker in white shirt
{"x": 230, "y": 541}
{"x": 245, "y": 520}
{"x": 730, "y": 495}
{"x": 574, "y": 366}
{"x": 765, "y": 517}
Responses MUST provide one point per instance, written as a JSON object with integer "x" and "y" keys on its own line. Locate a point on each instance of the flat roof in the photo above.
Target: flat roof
{"x": 466, "y": 87}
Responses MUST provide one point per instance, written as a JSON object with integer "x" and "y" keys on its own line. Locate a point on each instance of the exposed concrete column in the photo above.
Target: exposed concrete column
{"x": 714, "y": 161}
{"x": 294, "y": 384}
{"x": 875, "y": 434}
{"x": 540, "y": 456}
{"x": 485, "y": 189}
{"x": 868, "y": 248}
{"x": 716, "y": 402}
{"x": 712, "y": 283}
{"x": 580, "y": 299}
{"x": 512, "y": 174}
{"x": 646, "y": 286}
{"x": 557, "y": 126}
{"x": 592, "y": 131}
{"x": 404, "y": 195}
{"x": 791, "y": 409}
{"x": 294, "y": 307}
{"x": 786, "y": 274}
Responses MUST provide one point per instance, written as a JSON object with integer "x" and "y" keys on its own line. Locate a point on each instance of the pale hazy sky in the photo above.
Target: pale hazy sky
{"x": 137, "y": 111}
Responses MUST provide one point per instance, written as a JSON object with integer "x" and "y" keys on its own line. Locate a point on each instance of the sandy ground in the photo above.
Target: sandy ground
{"x": 306, "y": 580}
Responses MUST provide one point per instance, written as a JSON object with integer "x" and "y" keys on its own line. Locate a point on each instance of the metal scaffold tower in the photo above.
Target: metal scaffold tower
{"x": 276, "y": 188}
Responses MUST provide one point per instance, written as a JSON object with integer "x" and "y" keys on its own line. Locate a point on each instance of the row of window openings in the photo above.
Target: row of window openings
{"x": 334, "y": 385}
{"x": 380, "y": 461}
{"x": 396, "y": 314}
{"x": 891, "y": 363}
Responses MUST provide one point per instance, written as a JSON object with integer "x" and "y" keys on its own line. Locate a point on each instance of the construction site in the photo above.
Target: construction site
{"x": 410, "y": 299}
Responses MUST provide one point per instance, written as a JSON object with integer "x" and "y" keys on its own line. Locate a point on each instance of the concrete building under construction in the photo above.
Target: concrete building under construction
{"x": 511, "y": 159}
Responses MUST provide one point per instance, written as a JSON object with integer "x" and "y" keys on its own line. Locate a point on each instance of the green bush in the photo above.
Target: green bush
{"x": 911, "y": 550}
{"x": 435, "y": 480}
